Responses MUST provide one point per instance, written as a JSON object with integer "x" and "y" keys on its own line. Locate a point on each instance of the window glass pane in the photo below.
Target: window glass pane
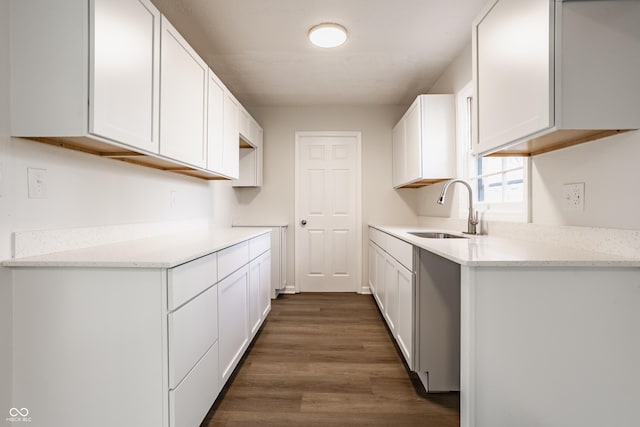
{"x": 491, "y": 165}
{"x": 514, "y": 189}
{"x": 478, "y": 189}
{"x": 513, "y": 162}
{"x": 493, "y": 188}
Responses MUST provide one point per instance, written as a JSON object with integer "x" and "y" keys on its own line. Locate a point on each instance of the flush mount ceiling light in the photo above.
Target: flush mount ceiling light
{"x": 328, "y": 35}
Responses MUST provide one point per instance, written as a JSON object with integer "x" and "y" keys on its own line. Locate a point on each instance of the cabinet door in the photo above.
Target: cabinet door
{"x": 404, "y": 326}
{"x": 265, "y": 284}
{"x": 124, "y": 72}
{"x": 413, "y": 144}
{"x": 259, "y": 136}
{"x": 233, "y": 320}
{"x": 381, "y": 279}
{"x": 183, "y": 99}
{"x": 231, "y": 150}
{"x": 399, "y": 154}
{"x": 215, "y": 124}
{"x": 372, "y": 268}
{"x": 254, "y": 296}
{"x": 513, "y": 63}
{"x": 391, "y": 291}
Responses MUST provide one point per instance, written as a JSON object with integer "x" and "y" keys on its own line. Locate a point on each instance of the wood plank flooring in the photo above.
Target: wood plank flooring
{"x": 327, "y": 360}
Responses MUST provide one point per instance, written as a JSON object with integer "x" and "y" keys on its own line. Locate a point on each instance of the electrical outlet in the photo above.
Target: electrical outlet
{"x": 573, "y": 196}
{"x": 37, "y": 183}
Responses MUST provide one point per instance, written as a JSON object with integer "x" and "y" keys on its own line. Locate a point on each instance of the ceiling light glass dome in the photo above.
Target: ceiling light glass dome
{"x": 328, "y": 35}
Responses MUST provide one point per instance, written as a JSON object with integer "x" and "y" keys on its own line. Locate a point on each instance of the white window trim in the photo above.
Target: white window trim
{"x": 512, "y": 212}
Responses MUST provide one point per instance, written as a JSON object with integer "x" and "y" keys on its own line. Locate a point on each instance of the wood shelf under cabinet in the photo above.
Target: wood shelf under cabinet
{"x": 118, "y": 152}
{"x": 555, "y": 141}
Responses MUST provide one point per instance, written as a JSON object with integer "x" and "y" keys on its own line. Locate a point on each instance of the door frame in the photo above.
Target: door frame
{"x": 358, "y": 135}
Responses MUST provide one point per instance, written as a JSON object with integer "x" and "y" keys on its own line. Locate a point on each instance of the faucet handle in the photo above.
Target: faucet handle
{"x": 474, "y": 220}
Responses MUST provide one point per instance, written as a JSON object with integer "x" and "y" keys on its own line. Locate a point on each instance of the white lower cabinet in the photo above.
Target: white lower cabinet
{"x": 242, "y": 306}
{"x": 392, "y": 282}
{"x": 391, "y": 290}
{"x": 190, "y": 402}
{"x": 418, "y": 294}
{"x": 404, "y": 322}
{"x": 234, "y": 320}
{"x": 139, "y": 346}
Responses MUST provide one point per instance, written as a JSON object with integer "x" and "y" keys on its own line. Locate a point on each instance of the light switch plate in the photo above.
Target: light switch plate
{"x": 573, "y": 196}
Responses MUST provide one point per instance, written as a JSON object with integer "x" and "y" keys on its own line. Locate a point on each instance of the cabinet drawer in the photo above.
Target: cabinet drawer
{"x": 188, "y": 280}
{"x": 190, "y": 402}
{"x": 259, "y": 245}
{"x": 376, "y": 236}
{"x": 400, "y": 250}
{"x": 232, "y": 258}
{"x": 192, "y": 330}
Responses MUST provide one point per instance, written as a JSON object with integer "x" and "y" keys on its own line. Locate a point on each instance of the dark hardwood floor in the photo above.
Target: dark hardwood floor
{"x": 327, "y": 360}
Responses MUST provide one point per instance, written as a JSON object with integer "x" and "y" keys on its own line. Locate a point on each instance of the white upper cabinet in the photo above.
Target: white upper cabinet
{"x": 251, "y": 152}
{"x": 215, "y": 124}
{"x": 183, "y": 99}
{"x": 549, "y": 74}
{"x": 81, "y": 68}
{"x": 124, "y": 72}
{"x": 424, "y": 142}
{"x": 231, "y": 146}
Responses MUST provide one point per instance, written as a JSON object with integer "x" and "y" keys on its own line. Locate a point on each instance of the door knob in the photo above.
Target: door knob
{"x": 303, "y": 222}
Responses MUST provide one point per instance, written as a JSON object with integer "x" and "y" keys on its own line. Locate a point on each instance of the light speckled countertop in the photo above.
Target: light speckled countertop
{"x": 488, "y": 251}
{"x": 164, "y": 251}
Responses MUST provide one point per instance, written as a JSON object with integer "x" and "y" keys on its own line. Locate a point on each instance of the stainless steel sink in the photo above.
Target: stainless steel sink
{"x": 436, "y": 235}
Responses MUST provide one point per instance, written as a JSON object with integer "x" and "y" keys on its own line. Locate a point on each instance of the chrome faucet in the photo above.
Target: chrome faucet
{"x": 473, "y": 216}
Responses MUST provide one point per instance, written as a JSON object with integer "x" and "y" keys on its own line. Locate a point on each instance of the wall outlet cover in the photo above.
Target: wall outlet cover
{"x": 573, "y": 196}
{"x": 37, "y": 183}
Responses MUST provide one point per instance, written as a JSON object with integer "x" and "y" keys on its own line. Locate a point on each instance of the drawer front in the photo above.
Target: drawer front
{"x": 259, "y": 245}
{"x": 188, "y": 280}
{"x": 232, "y": 258}
{"x": 193, "y": 328}
{"x": 190, "y": 402}
{"x": 401, "y": 251}
{"x": 376, "y": 236}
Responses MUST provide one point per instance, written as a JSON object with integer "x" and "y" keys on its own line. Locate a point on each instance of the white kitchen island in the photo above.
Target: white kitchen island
{"x": 548, "y": 335}
{"x": 136, "y": 333}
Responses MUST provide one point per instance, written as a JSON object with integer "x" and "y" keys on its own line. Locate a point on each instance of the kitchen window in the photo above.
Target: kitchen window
{"x": 500, "y": 184}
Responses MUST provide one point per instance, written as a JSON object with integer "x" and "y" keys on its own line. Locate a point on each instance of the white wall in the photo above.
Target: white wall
{"x": 609, "y": 169}
{"x": 381, "y": 204}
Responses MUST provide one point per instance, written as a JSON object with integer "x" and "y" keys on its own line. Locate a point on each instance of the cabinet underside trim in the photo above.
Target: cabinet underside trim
{"x": 555, "y": 141}
{"x": 111, "y": 151}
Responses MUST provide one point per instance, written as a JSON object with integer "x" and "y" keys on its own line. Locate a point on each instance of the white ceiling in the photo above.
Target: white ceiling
{"x": 396, "y": 48}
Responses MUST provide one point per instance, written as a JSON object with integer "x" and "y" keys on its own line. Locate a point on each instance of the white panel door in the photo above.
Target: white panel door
{"x": 125, "y": 70}
{"x": 327, "y": 193}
